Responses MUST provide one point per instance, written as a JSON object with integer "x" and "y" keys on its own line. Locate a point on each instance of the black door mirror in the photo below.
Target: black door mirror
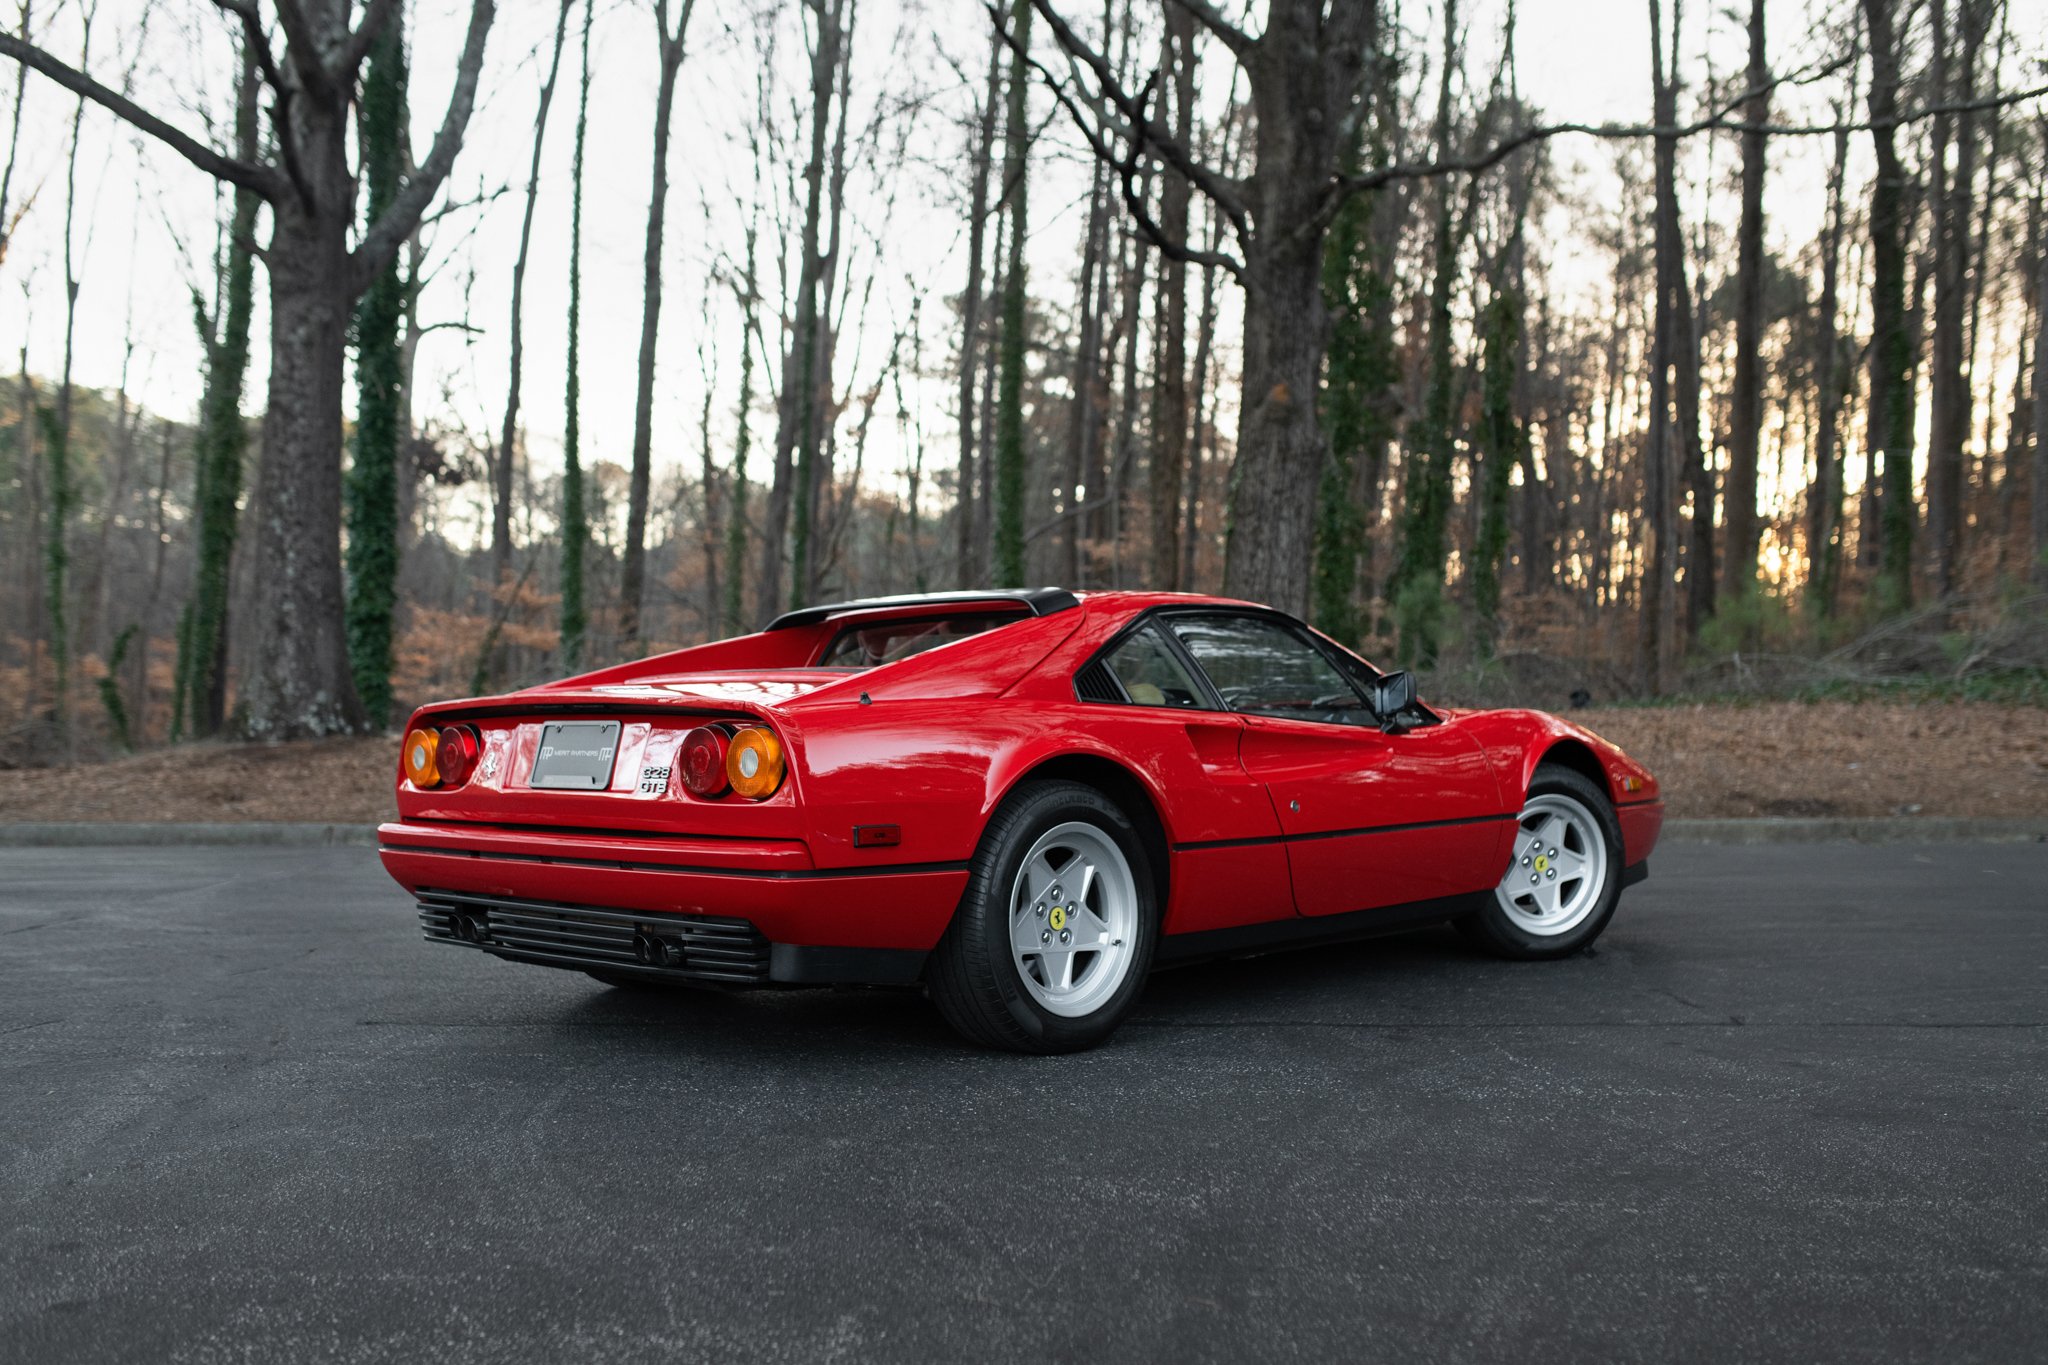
{"x": 1393, "y": 697}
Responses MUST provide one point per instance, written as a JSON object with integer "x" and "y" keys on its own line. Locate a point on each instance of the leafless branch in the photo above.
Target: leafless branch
{"x": 384, "y": 237}
{"x": 1219, "y": 190}
{"x": 1211, "y": 18}
{"x": 259, "y": 179}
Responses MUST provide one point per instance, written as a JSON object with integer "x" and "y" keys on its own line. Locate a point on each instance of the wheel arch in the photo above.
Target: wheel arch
{"x": 1125, "y": 789}
{"x": 1578, "y": 757}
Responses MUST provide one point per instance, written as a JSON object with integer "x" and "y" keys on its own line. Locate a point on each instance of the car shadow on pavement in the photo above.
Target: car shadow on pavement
{"x": 1408, "y": 968}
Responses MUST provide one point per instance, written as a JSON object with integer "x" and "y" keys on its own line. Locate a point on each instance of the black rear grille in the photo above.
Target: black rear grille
{"x": 675, "y": 947}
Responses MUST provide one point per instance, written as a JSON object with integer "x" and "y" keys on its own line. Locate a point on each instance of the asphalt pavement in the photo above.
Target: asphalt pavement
{"x": 1793, "y": 1107}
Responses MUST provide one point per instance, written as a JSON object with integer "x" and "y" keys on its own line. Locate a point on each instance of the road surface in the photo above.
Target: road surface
{"x": 1794, "y": 1107}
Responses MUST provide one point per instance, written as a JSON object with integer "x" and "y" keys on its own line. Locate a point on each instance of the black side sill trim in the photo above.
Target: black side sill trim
{"x": 617, "y": 865}
{"x": 1342, "y": 833}
{"x": 1634, "y": 873}
{"x": 1302, "y": 931}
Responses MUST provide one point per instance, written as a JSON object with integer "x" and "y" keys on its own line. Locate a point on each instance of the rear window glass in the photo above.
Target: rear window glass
{"x": 884, "y": 642}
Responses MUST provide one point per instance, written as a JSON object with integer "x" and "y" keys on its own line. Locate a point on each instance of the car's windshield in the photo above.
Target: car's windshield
{"x": 884, "y": 642}
{"x": 1263, "y": 666}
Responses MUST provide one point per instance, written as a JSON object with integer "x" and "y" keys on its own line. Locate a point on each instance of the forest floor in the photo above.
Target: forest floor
{"x": 1769, "y": 758}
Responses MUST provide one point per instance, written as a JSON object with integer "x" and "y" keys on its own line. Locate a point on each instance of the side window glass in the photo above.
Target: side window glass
{"x": 1261, "y": 666}
{"x": 1151, "y": 673}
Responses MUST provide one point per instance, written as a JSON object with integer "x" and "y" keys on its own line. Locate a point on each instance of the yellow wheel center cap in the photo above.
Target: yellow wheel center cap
{"x": 1059, "y": 917}
{"x": 1542, "y": 862}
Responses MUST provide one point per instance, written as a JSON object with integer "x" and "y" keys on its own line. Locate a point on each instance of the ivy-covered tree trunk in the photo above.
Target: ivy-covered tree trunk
{"x": 223, "y": 441}
{"x": 1417, "y": 587}
{"x": 1009, "y": 528}
{"x": 1500, "y": 442}
{"x": 372, "y": 489}
{"x": 575, "y": 522}
{"x": 1362, "y": 367}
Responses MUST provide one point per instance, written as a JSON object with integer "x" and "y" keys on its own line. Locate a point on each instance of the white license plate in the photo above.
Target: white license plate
{"x": 576, "y": 755}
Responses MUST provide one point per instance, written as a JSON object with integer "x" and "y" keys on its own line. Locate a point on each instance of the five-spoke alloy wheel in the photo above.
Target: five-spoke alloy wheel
{"x": 1055, "y": 934}
{"x": 1564, "y": 876}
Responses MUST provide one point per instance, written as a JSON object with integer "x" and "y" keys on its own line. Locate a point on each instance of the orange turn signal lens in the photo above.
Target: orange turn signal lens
{"x": 753, "y": 763}
{"x": 422, "y": 758}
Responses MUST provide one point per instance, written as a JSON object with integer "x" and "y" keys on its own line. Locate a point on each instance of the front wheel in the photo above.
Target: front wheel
{"x": 1563, "y": 879}
{"x": 1053, "y": 939}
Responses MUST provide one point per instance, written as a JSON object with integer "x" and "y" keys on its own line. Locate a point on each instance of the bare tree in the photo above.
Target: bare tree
{"x": 1746, "y": 399}
{"x": 633, "y": 566}
{"x": 301, "y": 684}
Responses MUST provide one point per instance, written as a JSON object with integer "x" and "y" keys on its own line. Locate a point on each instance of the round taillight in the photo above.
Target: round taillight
{"x": 753, "y": 763}
{"x": 422, "y": 758}
{"x": 703, "y": 760}
{"x": 459, "y": 751}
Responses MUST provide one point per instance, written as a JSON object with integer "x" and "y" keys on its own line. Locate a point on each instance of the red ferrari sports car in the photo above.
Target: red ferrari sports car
{"x": 1021, "y": 801}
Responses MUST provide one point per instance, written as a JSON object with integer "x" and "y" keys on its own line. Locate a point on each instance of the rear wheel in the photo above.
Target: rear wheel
{"x": 1564, "y": 877}
{"x": 1055, "y": 934}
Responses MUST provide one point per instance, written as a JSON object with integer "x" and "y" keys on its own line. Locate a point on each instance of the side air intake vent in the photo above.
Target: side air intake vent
{"x": 1094, "y": 683}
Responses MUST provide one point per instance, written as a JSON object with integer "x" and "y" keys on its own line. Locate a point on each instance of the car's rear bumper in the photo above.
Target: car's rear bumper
{"x": 866, "y": 924}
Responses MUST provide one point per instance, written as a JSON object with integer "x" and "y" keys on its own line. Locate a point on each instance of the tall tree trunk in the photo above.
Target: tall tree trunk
{"x": 795, "y": 449}
{"x": 966, "y": 547}
{"x": 1084, "y": 423}
{"x": 1418, "y": 584}
{"x": 57, "y": 445}
{"x": 633, "y": 567}
{"x": 218, "y": 455}
{"x": 371, "y": 489}
{"x": 1170, "y": 439}
{"x": 1824, "y": 499}
{"x": 1659, "y": 547}
{"x": 1949, "y": 397}
{"x": 575, "y": 522}
{"x": 2037, "y": 539}
{"x": 1746, "y": 398}
{"x": 1009, "y": 509}
{"x": 736, "y": 525}
{"x": 1891, "y": 345}
{"x": 508, "y": 441}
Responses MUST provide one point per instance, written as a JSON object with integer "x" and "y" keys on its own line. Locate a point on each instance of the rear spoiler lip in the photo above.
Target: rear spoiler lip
{"x": 512, "y": 708}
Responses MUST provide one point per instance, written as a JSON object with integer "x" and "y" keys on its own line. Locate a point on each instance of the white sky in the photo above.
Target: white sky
{"x": 142, "y": 208}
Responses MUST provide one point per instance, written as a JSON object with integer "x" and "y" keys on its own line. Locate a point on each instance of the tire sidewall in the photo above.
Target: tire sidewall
{"x": 995, "y": 876}
{"x": 1519, "y": 942}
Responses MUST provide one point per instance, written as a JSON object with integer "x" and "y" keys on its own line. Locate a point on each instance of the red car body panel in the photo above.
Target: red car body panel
{"x": 1257, "y": 820}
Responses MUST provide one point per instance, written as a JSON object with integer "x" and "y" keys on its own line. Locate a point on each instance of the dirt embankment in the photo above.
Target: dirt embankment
{"x": 1778, "y": 758}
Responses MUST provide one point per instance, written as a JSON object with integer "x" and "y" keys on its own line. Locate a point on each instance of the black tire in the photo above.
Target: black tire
{"x": 973, "y": 976}
{"x": 1494, "y": 929}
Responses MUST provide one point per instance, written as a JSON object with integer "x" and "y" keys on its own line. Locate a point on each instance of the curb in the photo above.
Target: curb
{"x": 1869, "y": 830}
{"x": 280, "y": 834}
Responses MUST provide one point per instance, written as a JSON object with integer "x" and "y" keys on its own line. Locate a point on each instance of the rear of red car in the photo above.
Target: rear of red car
{"x": 650, "y": 830}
